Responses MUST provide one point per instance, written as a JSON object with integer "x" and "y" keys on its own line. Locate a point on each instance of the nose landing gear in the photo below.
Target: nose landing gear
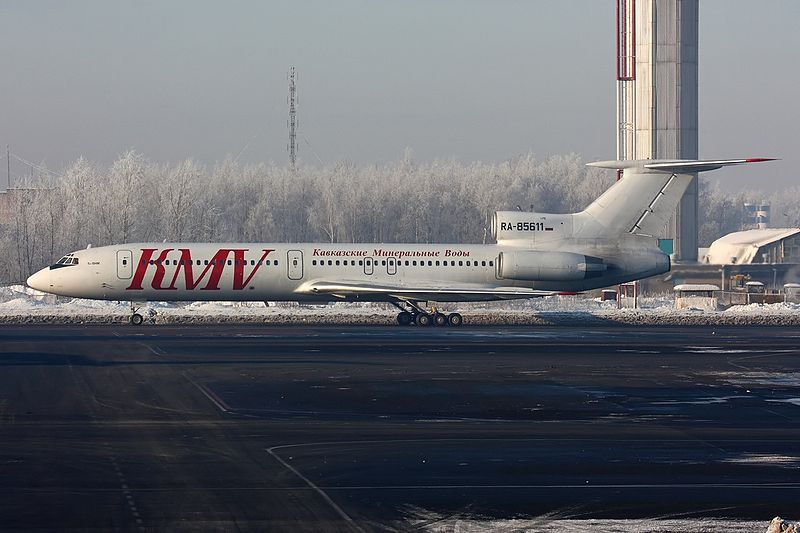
{"x": 419, "y": 316}
{"x": 136, "y": 319}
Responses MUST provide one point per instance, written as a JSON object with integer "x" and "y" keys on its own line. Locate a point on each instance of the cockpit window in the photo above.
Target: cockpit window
{"x": 67, "y": 260}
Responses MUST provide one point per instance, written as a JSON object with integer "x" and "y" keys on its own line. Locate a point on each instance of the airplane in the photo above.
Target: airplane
{"x": 612, "y": 241}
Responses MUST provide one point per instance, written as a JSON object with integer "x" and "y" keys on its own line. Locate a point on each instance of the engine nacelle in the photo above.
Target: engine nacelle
{"x": 549, "y": 266}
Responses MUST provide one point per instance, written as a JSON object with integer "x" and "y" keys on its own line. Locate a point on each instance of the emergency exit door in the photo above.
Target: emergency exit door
{"x": 124, "y": 264}
{"x": 294, "y": 262}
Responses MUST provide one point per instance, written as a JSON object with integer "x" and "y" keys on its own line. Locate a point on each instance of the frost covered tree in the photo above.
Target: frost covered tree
{"x": 118, "y": 201}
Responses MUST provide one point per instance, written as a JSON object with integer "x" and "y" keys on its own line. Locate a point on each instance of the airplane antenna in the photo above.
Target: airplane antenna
{"x": 292, "y": 123}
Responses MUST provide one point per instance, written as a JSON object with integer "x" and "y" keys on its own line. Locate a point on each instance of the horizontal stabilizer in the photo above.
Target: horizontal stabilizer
{"x": 676, "y": 166}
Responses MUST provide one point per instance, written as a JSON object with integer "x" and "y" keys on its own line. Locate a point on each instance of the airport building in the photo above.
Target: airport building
{"x": 771, "y": 246}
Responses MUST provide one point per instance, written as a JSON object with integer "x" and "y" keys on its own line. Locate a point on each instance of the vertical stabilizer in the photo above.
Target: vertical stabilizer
{"x": 642, "y": 202}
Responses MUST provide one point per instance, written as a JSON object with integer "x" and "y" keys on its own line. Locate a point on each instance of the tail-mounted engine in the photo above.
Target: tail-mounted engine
{"x": 549, "y": 266}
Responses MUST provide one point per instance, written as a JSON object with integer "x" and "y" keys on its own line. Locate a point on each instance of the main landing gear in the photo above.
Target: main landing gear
{"x": 419, "y": 316}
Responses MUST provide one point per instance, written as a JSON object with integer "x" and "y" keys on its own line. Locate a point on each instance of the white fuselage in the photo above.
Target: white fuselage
{"x": 282, "y": 272}
{"x": 257, "y": 272}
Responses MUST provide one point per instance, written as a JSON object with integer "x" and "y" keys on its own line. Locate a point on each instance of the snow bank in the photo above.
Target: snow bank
{"x": 547, "y": 524}
{"x": 20, "y": 304}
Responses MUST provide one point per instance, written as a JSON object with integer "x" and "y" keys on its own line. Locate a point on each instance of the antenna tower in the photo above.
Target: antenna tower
{"x": 292, "y": 123}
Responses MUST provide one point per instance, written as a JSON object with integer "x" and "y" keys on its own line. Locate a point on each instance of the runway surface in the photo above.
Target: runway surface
{"x": 254, "y": 428}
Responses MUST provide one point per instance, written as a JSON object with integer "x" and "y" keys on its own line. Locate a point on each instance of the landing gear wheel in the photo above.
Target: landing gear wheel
{"x": 455, "y": 320}
{"x": 137, "y": 319}
{"x": 424, "y": 319}
{"x": 405, "y": 318}
{"x": 440, "y": 319}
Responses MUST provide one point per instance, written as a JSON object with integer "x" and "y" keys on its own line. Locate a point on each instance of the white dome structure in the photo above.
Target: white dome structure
{"x": 773, "y": 245}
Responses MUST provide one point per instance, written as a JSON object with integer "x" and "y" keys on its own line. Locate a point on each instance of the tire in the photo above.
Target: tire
{"x": 455, "y": 320}
{"x": 137, "y": 319}
{"x": 424, "y": 320}
{"x": 439, "y": 319}
{"x": 404, "y": 318}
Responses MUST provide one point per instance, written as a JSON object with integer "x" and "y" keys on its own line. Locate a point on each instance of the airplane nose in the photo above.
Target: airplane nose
{"x": 40, "y": 281}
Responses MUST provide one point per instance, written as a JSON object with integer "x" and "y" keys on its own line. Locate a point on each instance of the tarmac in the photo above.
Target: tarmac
{"x": 304, "y": 428}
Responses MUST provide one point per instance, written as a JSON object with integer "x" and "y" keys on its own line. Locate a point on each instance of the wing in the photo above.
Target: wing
{"x": 461, "y": 293}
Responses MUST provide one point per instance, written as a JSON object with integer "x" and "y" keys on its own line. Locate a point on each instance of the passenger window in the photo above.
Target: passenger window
{"x": 491, "y": 263}
{"x": 483, "y": 263}
{"x": 437, "y": 263}
{"x": 337, "y": 262}
{"x": 383, "y": 263}
{"x": 345, "y": 262}
{"x": 360, "y": 262}
{"x": 266, "y": 262}
{"x": 461, "y": 263}
{"x": 430, "y": 263}
{"x": 252, "y": 262}
{"x": 276, "y": 262}
{"x": 413, "y": 263}
{"x": 314, "y": 262}
{"x": 406, "y": 262}
{"x": 330, "y": 262}
{"x": 206, "y": 261}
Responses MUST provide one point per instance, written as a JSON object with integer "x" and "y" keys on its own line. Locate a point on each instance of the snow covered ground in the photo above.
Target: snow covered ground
{"x": 547, "y": 525}
{"x": 600, "y": 526}
{"x": 20, "y": 304}
{"x": 425, "y": 520}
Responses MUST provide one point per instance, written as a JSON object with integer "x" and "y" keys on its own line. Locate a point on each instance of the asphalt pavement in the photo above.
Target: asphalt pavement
{"x": 266, "y": 428}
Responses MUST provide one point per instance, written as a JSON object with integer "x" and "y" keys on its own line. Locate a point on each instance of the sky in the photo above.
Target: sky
{"x": 465, "y": 79}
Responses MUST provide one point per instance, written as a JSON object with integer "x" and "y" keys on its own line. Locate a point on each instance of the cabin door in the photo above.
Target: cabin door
{"x": 391, "y": 266}
{"x": 294, "y": 261}
{"x": 124, "y": 264}
{"x": 369, "y": 268}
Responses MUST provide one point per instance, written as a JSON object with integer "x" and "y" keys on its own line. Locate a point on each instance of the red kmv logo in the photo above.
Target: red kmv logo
{"x": 213, "y": 269}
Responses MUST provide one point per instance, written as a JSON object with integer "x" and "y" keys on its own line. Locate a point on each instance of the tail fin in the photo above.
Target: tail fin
{"x": 643, "y": 201}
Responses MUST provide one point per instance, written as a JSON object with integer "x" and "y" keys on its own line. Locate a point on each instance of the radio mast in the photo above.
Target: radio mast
{"x": 292, "y": 119}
